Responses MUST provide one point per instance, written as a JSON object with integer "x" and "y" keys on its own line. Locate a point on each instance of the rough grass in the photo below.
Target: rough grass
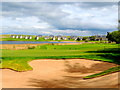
{"x": 18, "y": 59}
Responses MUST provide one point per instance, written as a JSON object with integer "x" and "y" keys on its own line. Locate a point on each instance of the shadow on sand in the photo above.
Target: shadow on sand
{"x": 68, "y": 81}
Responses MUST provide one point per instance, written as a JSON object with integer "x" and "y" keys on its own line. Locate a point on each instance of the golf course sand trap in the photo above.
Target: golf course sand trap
{"x": 61, "y": 73}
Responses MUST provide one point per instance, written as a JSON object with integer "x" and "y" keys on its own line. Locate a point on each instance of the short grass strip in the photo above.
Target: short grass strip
{"x": 109, "y": 71}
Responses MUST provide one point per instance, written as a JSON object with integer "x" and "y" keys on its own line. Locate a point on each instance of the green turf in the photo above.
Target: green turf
{"x": 111, "y": 70}
{"x": 18, "y": 59}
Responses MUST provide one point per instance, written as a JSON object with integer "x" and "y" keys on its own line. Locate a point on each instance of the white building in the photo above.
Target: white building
{"x": 36, "y": 38}
{"x": 20, "y": 36}
{"x": 59, "y": 38}
{"x": 26, "y": 37}
{"x": 64, "y": 38}
{"x": 78, "y": 38}
{"x": 54, "y": 38}
{"x": 51, "y": 36}
{"x": 12, "y": 36}
{"x": 30, "y": 37}
{"x": 17, "y": 37}
{"x": 46, "y": 38}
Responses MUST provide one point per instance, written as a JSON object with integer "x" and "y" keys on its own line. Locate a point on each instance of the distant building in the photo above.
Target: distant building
{"x": 78, "y": 38}
{"x": 39, "y": 35}
{"x": 88, "y": 38}
{"x": 104, "y": 38}
{"x": 20, "y": 36}
{"x": 12, "y": 36}
{"x": 26, "y": 37}
{"x": 54, "y": 38}
{"x": 17, "y": 36}
{"x": 51, "y": 36}
{"x": 59, "y": 38}
{"x": 30, "y": 37}
{"x": 64, "y": 38}
{"x": 36, "y": 38}
{"x": 73, "y": 37}
{"x": 101, "y": 38}
{"x": 46, "y": 38}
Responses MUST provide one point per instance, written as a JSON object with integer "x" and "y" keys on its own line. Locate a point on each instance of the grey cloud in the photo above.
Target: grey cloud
{"x": 55, "y": 15}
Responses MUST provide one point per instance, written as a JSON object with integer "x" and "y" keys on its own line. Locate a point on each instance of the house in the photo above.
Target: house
{"x": 104, "y": 38}
{"x": 17, "y": 36}
{"x": 36, "y": 38}
{"x": 101, "y": 38}
{"x": 30, "y": 37}
{"x": 51, "y": 36}
{"x": 39, "y": 35}
{"x": 78, "y": 38}
{"x": 81, "y": 38}
{"x": 59, "y": 38}
{"x": 46, "y": 38}
{"x": 20, "y": 36}
{"x": 73, "y": 37}
{"x": 64, "y": 38}
{"x": 86, "y": 38}
{"x": 26, "y": 37}
{"x": 12, "y": 36}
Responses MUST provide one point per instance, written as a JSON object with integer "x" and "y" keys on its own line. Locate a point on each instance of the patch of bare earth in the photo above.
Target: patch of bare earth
{"x": 61, "y": 73}
{"x": 25, "y": 46}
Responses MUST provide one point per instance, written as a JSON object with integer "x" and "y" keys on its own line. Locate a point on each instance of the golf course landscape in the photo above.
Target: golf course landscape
{"x": 18, "y": 59}
{"x": 60, "y": 44}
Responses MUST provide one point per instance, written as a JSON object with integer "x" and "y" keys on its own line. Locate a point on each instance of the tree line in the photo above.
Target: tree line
{"x": 114, "y": 36}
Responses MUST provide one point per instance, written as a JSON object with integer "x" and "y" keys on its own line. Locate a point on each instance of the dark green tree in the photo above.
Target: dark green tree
{"x": 78, "y": 39}
{"x": 114, "y": 36}
{"x": 84, "y": 38}
{"x": 92, "y": 38}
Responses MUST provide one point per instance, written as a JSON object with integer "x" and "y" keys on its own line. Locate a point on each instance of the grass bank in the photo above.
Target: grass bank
{"x": 109, "y": 71}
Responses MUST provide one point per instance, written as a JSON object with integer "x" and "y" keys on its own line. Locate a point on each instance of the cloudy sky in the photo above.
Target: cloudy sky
{"x": 59, "y": 18}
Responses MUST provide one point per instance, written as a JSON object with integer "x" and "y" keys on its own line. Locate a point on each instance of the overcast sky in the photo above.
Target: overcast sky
{"x": 60, "y": 18}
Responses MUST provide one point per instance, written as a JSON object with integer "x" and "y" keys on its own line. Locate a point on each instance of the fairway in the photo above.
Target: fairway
{"x": 17, "y": 59}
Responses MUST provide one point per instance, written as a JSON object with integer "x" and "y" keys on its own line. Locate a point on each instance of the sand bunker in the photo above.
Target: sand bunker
{"x": 59, "y": 73}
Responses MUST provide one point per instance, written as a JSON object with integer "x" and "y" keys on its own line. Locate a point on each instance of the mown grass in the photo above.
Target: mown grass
{"x": 111, "y": 70}
{"x": 18, "y": 59}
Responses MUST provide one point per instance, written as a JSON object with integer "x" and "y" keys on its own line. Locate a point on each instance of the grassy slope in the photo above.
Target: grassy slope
{"x": 111, "y": 70}
{"x": 17, "y": 59}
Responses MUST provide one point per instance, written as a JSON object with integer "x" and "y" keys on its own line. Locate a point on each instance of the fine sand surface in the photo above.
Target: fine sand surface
{"x": 60, "y": 73}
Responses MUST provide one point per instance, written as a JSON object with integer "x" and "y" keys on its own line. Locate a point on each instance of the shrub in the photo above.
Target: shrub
{"x": 86, "y": 40}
